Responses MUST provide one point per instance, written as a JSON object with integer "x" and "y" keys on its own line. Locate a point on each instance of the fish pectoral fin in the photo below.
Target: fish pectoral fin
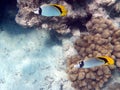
{"x": 106, "y": 64}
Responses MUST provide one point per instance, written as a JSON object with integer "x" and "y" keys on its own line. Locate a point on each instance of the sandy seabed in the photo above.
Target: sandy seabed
{"x": 30, "y": 60}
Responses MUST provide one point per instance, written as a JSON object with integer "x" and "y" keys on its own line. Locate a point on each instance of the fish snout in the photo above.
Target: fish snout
{"x": 36, "y": 11}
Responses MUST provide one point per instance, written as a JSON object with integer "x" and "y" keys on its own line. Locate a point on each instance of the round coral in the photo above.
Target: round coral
{"x": 103, "y": 40}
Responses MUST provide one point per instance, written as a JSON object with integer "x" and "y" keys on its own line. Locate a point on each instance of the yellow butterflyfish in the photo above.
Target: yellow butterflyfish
{"x": 51, "y": 10}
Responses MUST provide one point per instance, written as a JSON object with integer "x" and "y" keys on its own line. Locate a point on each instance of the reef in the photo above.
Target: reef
{"x": 83, "y": 15}
{"x": 102, "y": 40}
{"x": 78, "y": 11}
{"x": 62, "y": 25}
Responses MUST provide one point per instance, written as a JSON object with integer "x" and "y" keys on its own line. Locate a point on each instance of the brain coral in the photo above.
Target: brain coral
{"x": 103, "y": 39}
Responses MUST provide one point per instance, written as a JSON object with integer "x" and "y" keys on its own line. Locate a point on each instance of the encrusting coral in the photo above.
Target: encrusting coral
{"x": 103, "y": 40}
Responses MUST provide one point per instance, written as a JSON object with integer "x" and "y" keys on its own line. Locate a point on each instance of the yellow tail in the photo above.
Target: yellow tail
{"x": 107, "y": 59}
{"x": 63, "y": 9}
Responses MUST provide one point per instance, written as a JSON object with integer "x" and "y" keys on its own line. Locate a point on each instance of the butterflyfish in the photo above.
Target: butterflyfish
{"x": 51, "y": 10}
{"x": 93, "y": 62}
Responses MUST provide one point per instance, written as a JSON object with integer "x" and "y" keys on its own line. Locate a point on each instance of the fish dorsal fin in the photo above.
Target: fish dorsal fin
{"x": 57, "y": 8}
{"x": 103, "y": 59}
{"x": 61, "y": 9}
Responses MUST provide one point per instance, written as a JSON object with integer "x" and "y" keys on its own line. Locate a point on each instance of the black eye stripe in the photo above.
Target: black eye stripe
{"x": 104, "y": 59}
{"x": 81, "y": 64}
{"x": 40, "y": 10}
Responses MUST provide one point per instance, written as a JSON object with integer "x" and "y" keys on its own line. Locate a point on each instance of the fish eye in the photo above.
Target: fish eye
{"x": 81, "y": 64}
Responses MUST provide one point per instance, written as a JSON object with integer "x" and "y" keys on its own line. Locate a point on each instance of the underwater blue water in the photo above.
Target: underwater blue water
{"x": 29, "y": 59}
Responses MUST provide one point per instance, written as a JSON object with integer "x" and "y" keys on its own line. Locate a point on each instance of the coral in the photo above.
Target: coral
{"x": 28, "y": 17}
{"x": 62, "y": 25}
{"x": 28, "y": 3}
{"x": 96, "y": 12}
{"x": 103, "y": 40}
{"x": 116, "y": 49}
{"x": 77, "y": 12}
{"x": 114, "y": 86}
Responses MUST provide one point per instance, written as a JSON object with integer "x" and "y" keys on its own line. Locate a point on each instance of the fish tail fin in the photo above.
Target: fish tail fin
{"x": 108, "y": 60}
{"x": 62, "y": 8}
